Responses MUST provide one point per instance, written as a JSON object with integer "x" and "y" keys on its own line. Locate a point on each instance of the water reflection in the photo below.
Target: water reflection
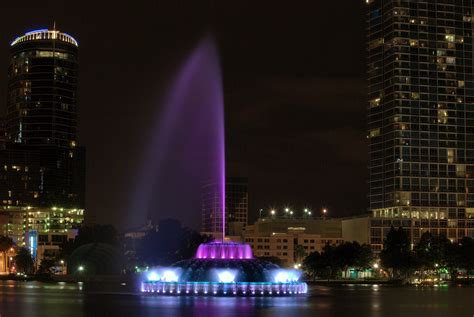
{"x": 73, "y": 299}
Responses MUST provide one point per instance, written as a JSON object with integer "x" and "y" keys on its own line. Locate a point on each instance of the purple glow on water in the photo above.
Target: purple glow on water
{"x": 224, "y": 250}
{"x": 186, "y": 147}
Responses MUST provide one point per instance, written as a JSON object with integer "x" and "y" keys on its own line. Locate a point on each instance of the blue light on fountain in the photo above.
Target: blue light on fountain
{"x": 220, "y": 271}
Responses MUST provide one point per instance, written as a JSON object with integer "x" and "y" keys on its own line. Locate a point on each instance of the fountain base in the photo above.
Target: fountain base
{"x": 225, "y": 289}
{"x": 224, "y": 269}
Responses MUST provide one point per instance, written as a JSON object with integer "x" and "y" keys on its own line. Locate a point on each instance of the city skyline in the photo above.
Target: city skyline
{"x": 286, "y": 78}
{"x": 237, "y": 159}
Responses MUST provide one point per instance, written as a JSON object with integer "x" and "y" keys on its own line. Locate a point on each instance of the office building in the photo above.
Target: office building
{"x": 236, "y": 192}
{"x": 42, "y": 168}
{"x": 420, "y": 117}
{"x": 42, "y": 89}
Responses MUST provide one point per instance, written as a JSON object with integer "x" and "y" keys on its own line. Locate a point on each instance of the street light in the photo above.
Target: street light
{"x": 273, "y": 212}
{"x": 80, "y": 268}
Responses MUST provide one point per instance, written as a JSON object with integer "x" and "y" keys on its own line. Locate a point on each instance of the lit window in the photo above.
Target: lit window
{"x": 374, "y": 133}
{"x": 375, "y": 43}
{"x": 451, "y": 60}
{"x": 375, "y": 102}
{"x": 450, "y": 157}
{"x": 442, "y": 116}
{"x": 449, "y": 37}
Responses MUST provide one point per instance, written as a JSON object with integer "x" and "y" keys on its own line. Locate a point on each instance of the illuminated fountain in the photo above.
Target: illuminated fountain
{"x": 224, "y": 269}
{"x": 218, "y": 268}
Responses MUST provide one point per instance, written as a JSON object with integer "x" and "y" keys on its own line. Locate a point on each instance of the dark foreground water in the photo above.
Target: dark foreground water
{"x": 60, "y": 299}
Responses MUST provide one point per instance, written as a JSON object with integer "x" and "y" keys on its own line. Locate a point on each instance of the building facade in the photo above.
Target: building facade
{"x": 42, "y": 89}
{"x": 420, "y": 117}
{"x": 42, "y": 168}
{"x": 282, "y": 237}
{"x": 236, "y": 209}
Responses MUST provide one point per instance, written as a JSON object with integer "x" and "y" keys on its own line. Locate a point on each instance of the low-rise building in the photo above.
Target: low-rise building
{"x": 373, "y": 229}
{"x": 288, "y": 239}
{"x": 41, "y": 230}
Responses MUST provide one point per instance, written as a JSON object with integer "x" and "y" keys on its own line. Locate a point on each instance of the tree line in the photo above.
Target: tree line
{"x": 398, "y": 259}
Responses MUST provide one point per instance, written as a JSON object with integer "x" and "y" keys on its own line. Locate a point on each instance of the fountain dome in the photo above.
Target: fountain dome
{"x": 224, "y": 268}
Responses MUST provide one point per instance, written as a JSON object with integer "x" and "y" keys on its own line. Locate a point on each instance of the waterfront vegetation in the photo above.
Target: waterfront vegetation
{"x": 432, "y": 257}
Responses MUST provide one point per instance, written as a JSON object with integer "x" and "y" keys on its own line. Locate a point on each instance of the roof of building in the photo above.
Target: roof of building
{"x": 45, "y": 34}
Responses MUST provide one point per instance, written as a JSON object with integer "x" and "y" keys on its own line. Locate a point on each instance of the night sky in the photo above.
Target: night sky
{"x": 294, "y": 81}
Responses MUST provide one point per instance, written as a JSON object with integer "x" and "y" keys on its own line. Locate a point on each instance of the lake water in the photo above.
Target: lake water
{"x": 75, "y": 299}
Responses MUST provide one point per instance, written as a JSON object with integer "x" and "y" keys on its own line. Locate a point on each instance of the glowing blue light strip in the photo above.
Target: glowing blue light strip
{"x": 225, "y": 289}
{"x": 36, "y": 31}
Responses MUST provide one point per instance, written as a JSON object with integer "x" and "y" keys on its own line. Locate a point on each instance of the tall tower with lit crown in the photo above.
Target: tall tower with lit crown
{"x": 42, "y": 89}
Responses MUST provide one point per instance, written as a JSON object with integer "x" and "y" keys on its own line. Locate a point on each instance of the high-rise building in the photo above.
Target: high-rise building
{"x": 421, "y": 117}
{"x": 42, "y": 89}
{"x": 236, "y": 191}
{"x": 42, "y": 168}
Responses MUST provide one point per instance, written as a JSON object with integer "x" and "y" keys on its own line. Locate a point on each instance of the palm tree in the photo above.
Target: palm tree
{"x": 5, "y": 244}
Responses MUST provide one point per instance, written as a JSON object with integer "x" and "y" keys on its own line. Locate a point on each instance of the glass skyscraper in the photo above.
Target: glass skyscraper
{"x": 236, "y": 192}
{"x": 42, "y": 168}
{"x": 42, "y": 87}
{"x": 421, "y": 117}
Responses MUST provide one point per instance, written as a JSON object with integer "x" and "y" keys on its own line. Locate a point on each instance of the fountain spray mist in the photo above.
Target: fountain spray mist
{"x": 187, "y": 142}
